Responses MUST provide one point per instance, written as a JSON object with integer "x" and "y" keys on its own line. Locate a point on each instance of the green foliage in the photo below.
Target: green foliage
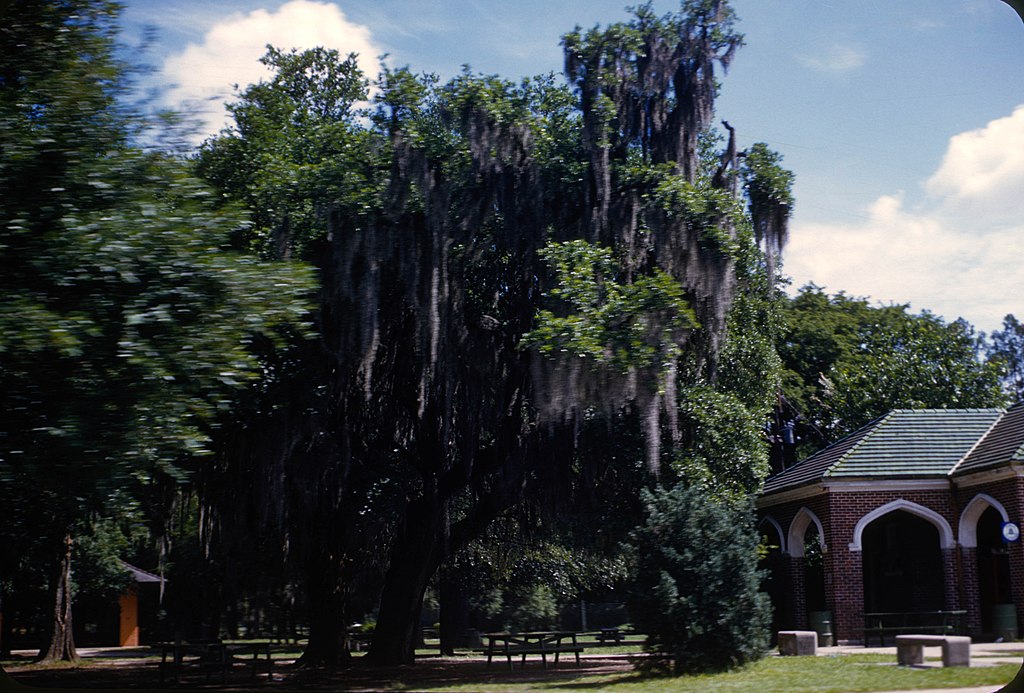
{"x": 696, "y": 592}
{"x": 126, "y": 329}
{"x": 726, "y": 455}
{"x": 294, "y": 146}
{"x": 535, "y": 609}
{"x": 611, "y": 324}
{"x": 848, "y": 362}
{"x": 709, "y": 210}
{"x": 509, "y": 575}
{"x": 129, "y": 328}
{"x": 103, "y": 545}
{"x": 767, "y": 184}
{"x": 1006, "y": 349}
{"x": 444, "y": 204}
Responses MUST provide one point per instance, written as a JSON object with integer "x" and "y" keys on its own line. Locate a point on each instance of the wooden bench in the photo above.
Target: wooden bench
{"x": 511, "y": 645}
{"x": 956, "y": 649}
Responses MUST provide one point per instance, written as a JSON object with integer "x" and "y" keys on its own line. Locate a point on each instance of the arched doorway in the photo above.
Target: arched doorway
{"x": 993, "y": 567}
{"x": 807, "y": 549}
{"x": 902, "y": 564}
{"x": 814, "y": 571}
{"x": 775, "y": 581}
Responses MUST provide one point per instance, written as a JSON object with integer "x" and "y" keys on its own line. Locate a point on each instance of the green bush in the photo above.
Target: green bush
{"x": 696, "y": 590}
{"x": 536, "y": 608}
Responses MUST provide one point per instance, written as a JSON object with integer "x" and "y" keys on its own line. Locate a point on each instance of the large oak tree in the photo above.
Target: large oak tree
{"x": 497, "y": 261}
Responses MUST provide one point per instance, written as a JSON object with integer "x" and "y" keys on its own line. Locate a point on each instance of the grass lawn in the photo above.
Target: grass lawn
{"x": 846, "y": 673}
{"x": 840, "y": 674}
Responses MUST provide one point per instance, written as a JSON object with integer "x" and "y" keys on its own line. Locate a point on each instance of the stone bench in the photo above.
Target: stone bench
{"x": 798, "y": 642}
{"x": 956, "y": 649}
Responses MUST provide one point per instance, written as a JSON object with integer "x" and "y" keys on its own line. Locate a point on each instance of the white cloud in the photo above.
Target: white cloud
{"x": 202, "y": 77}
{"x": 836, "y": 58}
{"x": 958, "y": 255}
{"x": 983, "y": 170}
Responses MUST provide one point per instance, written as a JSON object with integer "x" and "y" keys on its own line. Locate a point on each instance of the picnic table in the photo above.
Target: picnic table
{"x": 211, "y": 656}
{"x": 511, "y": 645}
{"x": 612, "y": 635}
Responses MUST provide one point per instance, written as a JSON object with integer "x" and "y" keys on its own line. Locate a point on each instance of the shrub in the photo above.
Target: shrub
{"x": 696, "y": 590}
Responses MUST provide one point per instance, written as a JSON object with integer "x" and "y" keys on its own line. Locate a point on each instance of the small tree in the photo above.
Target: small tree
{"x": 696, "y": 592}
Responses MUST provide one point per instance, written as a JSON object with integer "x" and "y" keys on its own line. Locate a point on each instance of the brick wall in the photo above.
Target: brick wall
{"x": 839, "y": 513}
{"x": 1010, "y": 494}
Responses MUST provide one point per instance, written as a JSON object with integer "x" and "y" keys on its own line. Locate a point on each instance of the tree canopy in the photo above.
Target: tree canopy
{"x": 500, "y": 262}
{"x": 125, "y": 327}
{"x": 848, "y": 362}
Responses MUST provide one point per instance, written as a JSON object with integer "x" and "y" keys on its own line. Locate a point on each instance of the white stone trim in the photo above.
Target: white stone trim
{"x": 968, "y": 537}
{"x": 798, "y": 528}
{"x": 988, "y": 476}
{"x": 778, "y": 528}
{"x": 945, "y": 531}
{"x": 899, "y": 485}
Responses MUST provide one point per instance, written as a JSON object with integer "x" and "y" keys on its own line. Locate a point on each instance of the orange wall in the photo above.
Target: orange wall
{"x": 129, "y": 632}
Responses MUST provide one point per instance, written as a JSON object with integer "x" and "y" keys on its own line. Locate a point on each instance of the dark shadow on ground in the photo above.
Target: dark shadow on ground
{"x": 133, "y": 674}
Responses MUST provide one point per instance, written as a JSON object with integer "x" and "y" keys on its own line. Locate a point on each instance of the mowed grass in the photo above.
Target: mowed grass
{"x": 845, "y": 673}
{"x": 838, "y": 674}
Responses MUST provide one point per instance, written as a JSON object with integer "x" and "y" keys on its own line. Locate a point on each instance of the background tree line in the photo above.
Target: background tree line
{"x": 354, "y": 349}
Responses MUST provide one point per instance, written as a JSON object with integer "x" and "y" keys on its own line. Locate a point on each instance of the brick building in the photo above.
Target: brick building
{"x": 904, "y": 516}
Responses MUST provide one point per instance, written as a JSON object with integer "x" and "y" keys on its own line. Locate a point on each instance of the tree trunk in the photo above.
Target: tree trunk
{"x": 62, "y": 640}
{"x": 327, "y": 626}
{"x": 454, "y": 614}
{"x": 5, "y": 646}
{"x": 414, "y": 560}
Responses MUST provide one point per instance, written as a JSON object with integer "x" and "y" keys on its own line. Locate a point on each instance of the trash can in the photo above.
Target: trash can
{"x": 821, "y": 623}
{"x": 1004, "y": 621}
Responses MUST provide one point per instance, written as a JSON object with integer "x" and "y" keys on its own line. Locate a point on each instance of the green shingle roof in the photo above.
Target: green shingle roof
{"x": 1003, "y": 444}
{"x": 906, "y": 443}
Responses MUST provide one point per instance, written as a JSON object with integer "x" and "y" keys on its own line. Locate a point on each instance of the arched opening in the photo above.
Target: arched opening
{"x": 806, "y": 543}
{"x": 775, "y": 578}
{"x": 814, "y": 571}
{"x": 902, "y": 564}
{"x": 993, "y": 567}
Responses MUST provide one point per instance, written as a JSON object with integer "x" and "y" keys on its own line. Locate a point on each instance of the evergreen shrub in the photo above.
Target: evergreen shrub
{"x": 696, "y": 592}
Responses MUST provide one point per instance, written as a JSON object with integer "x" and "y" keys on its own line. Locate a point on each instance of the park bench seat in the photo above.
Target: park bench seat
{"x": 956, "y": 649}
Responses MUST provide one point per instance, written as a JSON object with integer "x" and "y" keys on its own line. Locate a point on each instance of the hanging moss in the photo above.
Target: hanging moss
{"x": 646, "y": 90}
{"x": 501, "y": 258}
{"x": 769, "y": 191}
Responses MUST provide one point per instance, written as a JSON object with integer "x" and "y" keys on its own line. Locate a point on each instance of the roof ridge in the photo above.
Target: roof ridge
{"x": 135, "y": 569}
{"x": 873, "y": 425}
{"x": 923, "y": 410}
{"x": 1018, "y": 454}
{"x": 981, "y": 438}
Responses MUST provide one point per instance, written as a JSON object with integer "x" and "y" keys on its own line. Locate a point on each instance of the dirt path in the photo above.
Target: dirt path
{"x": 432, "y": 672}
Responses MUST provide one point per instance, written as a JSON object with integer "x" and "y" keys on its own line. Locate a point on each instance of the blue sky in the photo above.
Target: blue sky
{"x": 902, "y": 119}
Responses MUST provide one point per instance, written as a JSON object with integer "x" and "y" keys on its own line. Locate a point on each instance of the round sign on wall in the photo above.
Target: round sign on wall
{"x": 1011, "y": 532}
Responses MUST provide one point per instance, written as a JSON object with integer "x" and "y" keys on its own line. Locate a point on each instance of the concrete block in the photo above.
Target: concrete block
{"x": 956, "y": 651}
{"x": 909, "y": 653}
{"x": 798, "y": 642}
